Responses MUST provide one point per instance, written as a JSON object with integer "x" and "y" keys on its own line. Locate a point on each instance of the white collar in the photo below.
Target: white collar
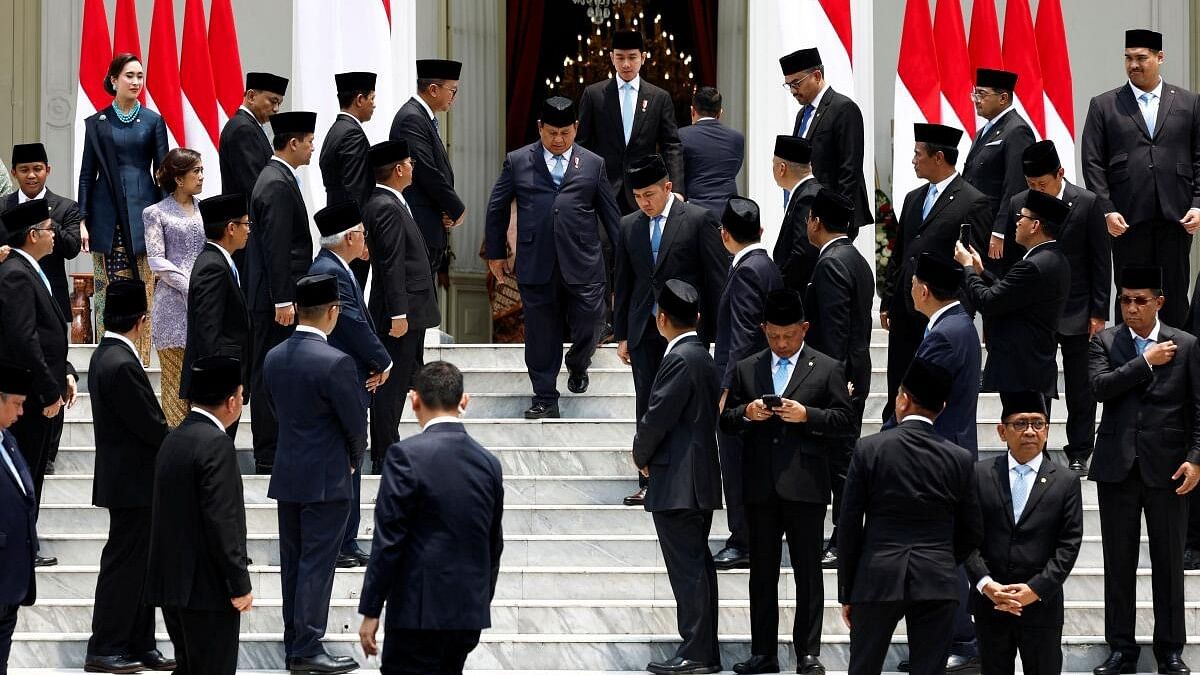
{"x": 21, "y": 198}
{"x": 252, "y": 115}
{"x": 443, "y": 419}
{"x": 303, "y": 328}
{"x": 826, "y": 244}
{"x": 27, "y": 257}
{"x": 943, "y": 183}
{"x": 756, "y": 246}
{"x": 428, "y": 110}
{"x": 917, "y": 418}
{"x": 1062, "y": 190}
{"x": 394, "y": 191}
{"x": 224, "y": 253}
{"x": 701, "y": 119}
{"x": 1027, "y": 253}
{"x": 549, "y": 156}
{"x": 1157, "y": 91}
{"x": 1000, "y": 114}
{"x": 674, "y": 341}
{"x": 291, "y": 168}
{"x": 1035, "y": 463}
{"x": 666, "y": 209}
{"x": 816, "y": 102}
{"x": 339, "y": 259}
{"x": 1153, "y": 332}
{"x": 802, "y": 182}
{"x": 793, "y": 359}
{"x": 128, "y": 343}
{"x": 636, "y": 83}
{"x": 211, "y": 417}
{"x": 356, "y": 120}
{"x": 938, "y": 314}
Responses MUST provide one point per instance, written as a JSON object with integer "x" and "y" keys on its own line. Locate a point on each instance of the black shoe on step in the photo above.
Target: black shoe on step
{"x": 541, "y": 411}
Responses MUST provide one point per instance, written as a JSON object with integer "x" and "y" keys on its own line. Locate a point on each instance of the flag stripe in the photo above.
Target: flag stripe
{"x": 196, "y": 71}
{"x": 1055, "y": 61}
{"x": 838, "y": 13}
{"x": 953, "y": 60}
{"x": 162, "y": 70}
{"x": 1021, "y": 57}
{"x": 985, "y": 36}
{"x": 223, "y": 53}
{"x": 126, "y": 37}
{"x": 917, "y": 66}
{"x": 95, "y": 53}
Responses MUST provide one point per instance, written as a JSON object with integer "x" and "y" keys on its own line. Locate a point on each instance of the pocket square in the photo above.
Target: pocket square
{"x": 988, "y": 145}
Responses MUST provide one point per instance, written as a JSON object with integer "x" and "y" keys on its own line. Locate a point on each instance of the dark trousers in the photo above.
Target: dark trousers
{"x": 121, "y": 624}
{"x": 729, "y": 447}
{"x": 1162, "y": 243}
{"x": 1002, "y": 636}
{"x": 8, "y": 624}
{"x": 803, "y": 524}
{"x": 265, "y": 428}
{"x": 1121, "y": 506}
{"x": 840, "y": 452}
{"x": 206, "y": 642}
{"x": 963, "y": 642}
{"x": 872, "y": 624}
{"x": 310, "y": 536}
{"x": 905, "y": 333}
{"x": 683, "y": 537}
{"x": 421, "y": 652}
{"x": 36, "y": 437}
{"x": 1081, "y": 406}
{"x": 645, "y": 359}
{"x": 408, "y": 355}
{"x": 545, "y": 306}
{"x": 350, "y": 538}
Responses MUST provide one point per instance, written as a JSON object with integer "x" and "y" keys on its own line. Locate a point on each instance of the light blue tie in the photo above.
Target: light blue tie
{"x": 627, "y": 110}
{"x": 782, "y": 374}
{"x": 1141, "y": 344}
{"x": 6, "y": 453}
{"x": 437, "y": 128}
{"x": 45, "y": 279}
{"x": 1020, "y": 490}
{"x": 655, "y": 236}
{"x": 237, "y": 278}
{"x": 787, "y": 196}
{"x": 806, "y": 117}
{"x": 930, "y": 200}
{"x": 560, "y": 169}
{"x": 986, "y": 128}
{"x": 1147, "y": 111}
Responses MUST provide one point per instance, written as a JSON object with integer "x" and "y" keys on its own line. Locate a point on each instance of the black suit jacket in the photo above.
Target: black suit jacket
{"x": 280, "y": 247}
{"x": 403, "y": 279}
{"x": 1085, "y": 242}
{"x": 781, "y": 459}
{"x": 18, "y": 528}
{"x": 676, "y": 437}
{"x": 344, "y": 169}
{"x": 129, "y": 425}
{"x": 432, "y": 192}
{"x": 993, "y": 166}
{"x": 1040, "y": 549}
{"x": 910, "y": 516}
{"x": 244, "y": 152}
{"x": 198, "y": 527}
{"x": 838, "y": 307}
{"x": 838, "y": 143}
{"x": 740, "y": 311}
{"x": 1152, "y": 415}
{"x": 602, "y": 131}
{"x": 1143, "y": 177}
{"x": 435, "y": 557}
{"x": 1020, "y": 319}
{"x": 64, "y": 213}
{"x": 33, "y": 330}
{"x": 712, "y": 158}
{"x": 218, "y": 323}
{"x": 690, "y": 250}
{"x": 794, "y": 253}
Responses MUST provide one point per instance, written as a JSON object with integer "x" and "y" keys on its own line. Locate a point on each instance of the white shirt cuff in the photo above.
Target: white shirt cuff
{"x": 400, "y": 316}
{"x": 389, "y": 367}
{"x": 998, "y": 235}
{"x": 987, "y": 579}
{"x": 1148, "y": 364}
{"x": 283, "y": 305}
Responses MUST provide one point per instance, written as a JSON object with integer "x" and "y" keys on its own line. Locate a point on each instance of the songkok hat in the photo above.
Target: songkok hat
{"x": 558, "y": 111}
{"x": 646, "y": 172}
{"x": 24, "y": 153}
{"x": 294, "y": 123}
{"x": 679, "y": 300}
{"x": 337, "y": 218}
{"x": 627, "y": 39}
{"x": 315, "y": 290}
{"x": 834, "y": 210}
{"x": 783, "y": 307}
{"x": 995, "y": 79}
{"x": 388, "y": 152}
{"x": 792, "y": 149}
{"x": 927, "y": 383}
{"x": 1140, "y": 37}
{"x": 800, "y": 60}
{"x": 438, "y": 69}
{"x": 223, "y": 208}
{"x": 1040, "y": 159}
{"x": 354, "y": 81}
{"x": 21, "y": 218}
{"x": 1136, "y": 276}
{"x": 939, "y": 272}
{"x": 124, "y": 297}
{"x": 1017, "y": 402}
{"x": 267, "y": 82}
{"x": 937, "y": 134}
{"x": 1047, "y": 207}
{"x": 215, "y": 378}
{"x": 741, "y": 218}
{"x": 15, "y": 380}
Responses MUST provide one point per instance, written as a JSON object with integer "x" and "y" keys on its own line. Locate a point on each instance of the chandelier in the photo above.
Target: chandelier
{"x": 599, "y": 10}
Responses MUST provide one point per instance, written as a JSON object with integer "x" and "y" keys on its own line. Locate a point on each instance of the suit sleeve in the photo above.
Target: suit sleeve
{"x": 1010, "y": 293}
{"x": 223, "y": 514}
{"x": 387, "y": 252}
{"x": 206, "y": 299}
{"x": 88, "y": 166}
{"x": 733, "y": 415}
{"x": 745, "y": 316}
{"x": 359, "y": 338}
{"x": 837, "y": 418}
{"x": 1014, "y": 174}
{"x": 669, "y": 145}
{"x": 497, "y": 532}
{"x": 161, "y": 147}
{"x": 891, "y": 272}
{"x": 586, "y": 120}
{"x": 1109, "y": 383}
{"x": 831, "y": 286}
{"x": 623, "y": 281}
{"x": 852, "y": 146}
{"x": 1099, "y": 256}
{"x": 274, "y": 215}
{"x": 398, "y": 501}
{"x": 242, "y": 160}
{"x": 344, "y": 389}
{"x": 968, "y": 519}
{"x": 141, "y": 415}
{"x": 668, "y": 397}
{"x": 715, "y": 261}
{"x": 352, "y": 155}
{"x": 427, "y": 178}
{"x": 1094, "y": 152}
{"x": 1193, "y": 375}
{"x": 67, "y": 240}
{"x": 850, "y": 523}
{"x": 604, "y": 202}
{"x": 20, "y": 327}
{"x": 498, "y": 210}
{"x": 1050, "y": 580}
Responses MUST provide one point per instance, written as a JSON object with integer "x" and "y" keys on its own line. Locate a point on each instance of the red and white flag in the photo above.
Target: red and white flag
{"x": 95, "y": 53}
{"x": 1056, "y": 79}
{"x": 162, "y": 73}
{"x": 918, "y": 94}
{"x": 984, "y": 43}
{"x": 126, "y": 37}
{"x": 954, "y": 71}
{"x": 199, "y": 97}
{"x": 226, "y": 61}
{"x": 1021, "y": 57}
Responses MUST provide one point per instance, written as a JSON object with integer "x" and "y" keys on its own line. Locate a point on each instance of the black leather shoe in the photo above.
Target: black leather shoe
{"x": 1115, "y": 664}
{"x": 829, "y": 559}
{"x": 46, "y": 561}
{"x": 730, "y": 558}
{"x": 1077, "y": 465}
{"x": 111, "y": 664}
{"x": 577, "y": 383}
{"x": 49, "y": 469}
{"x": 154, "y": 660}
{"x": 1191, "y": 559}
{"x": 359, "y": 556}
{"x": 757, "y": 663}
{"x": 262, "y": 469}
{"x": 959, "y": 664}
{"x": 682, "y": 665}
{"x": 541, "y": 411}
{"x": 320, "y": 663}
{"x": 346, "y": 560}
{"x": 810, "y": 665}
{"x": 1172, "y": 664}
{"x": 636, "y": 499}
{"x": 904, "y": 666}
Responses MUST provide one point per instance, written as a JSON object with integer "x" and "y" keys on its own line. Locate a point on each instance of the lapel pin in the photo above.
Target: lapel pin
{"x": 645, "y": 102}
{"x": 1043, "y": 480}
{"x": 1070, "y": 204}
{"x": 576, "y": 162}
{"x": 951, "y": 197}
{"x": 810, "y": 364}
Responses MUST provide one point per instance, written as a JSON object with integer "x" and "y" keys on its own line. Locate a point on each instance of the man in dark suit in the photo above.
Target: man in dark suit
{"x": 1084, "y": 242}
{"x": 440, "y": 507}
{"x": 675, "y": 446}
{"x": 1147, "y": 459}
{"x": 245, "y": 147}
{"x": 752, "y": 276}
{"x": 431, "y": 197}
{"x": 276, "y": 257}
{"x": 344, "y": 168}
{"x": 833, "y": 124}
{"x": 403, "y": 301}
{"x": 625, "y": 118}
{"x": 130, "y": 427}
{"x": 794, "y": 253}
{"x": 910, "y": 516}
{"x": 1141, "y": 156}
{"x": 314, "y": 390}
{"x": 930, "y": 220}
{"x": 18, "y": 509}
{"x": 839, "y": 299}
{"x": 33, "y": 333}
{"x": 666, "y": 239}
{"x": 1032, "y": 530}
{"x": 712, "y": 153}
{"x": 786, "y": 473}
{"x": 993, "y": 164}
{"x": 30, "y": 169}
{"x": 197, "y": 565}
{"x": 563, "y": 202}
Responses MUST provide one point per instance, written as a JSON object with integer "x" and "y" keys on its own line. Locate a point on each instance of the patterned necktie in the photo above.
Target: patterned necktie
{"x": 627, "y": 102}
{"x": 560, "y": 169}
{"x": 1148, "y": 113}
{"x": 782, "y": 375}
{"x": 655, "y": 236}
{"x": 1142, "y": 344}
{"x": 1020, "y": 490}
{"x": 930, "y": 200}
{"x": 806, "y": 117}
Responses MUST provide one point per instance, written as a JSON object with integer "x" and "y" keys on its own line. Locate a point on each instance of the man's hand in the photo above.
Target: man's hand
{"x": 399, "y": 327}
{"x": 72, "y": 390}
{"x": 757, "y": 411}
{"x": 623, "y": 351}
{"x": 500, "y": 268}
{"x": 996, "y": 248}
{"x": 1191, "y": 221}
{"x": 846, "y": 616}
{"x": 721, "y": 403}
{"x": 645, "y": 471}
{"x": 1003, "y": 602}
{"x": 366, "y": 635}
{"x": 883, "y": 320}
{"x": 366, "y": 254}
{"x": 85, "y": 240}
{"x": 1116, "y": 224}
{"x": 285, "y": 316}
{"x": 792, "y": 411}
{"x": 1095, "y": 326}
{"x": 964, "y": 256}
{"x": 243, "y": 603}
{"x": 1160, "y": 353}
{"x": 4, "y": 250}
{"x": 1191, "y": 475}
{"x": 376, "y": 380}
{"x": 1019, "y": 594}
{"x": 450, "y": 222}
{"x": 51, "y": 410}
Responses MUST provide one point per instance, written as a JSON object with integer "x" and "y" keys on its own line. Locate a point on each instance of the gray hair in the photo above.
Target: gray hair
{"x": 335, "y": 240}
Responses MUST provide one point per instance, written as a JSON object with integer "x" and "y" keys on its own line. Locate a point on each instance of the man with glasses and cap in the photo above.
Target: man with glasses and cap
{"x": 1147, "y": 459}
{"x": 563, "y": 202}
{"x": 794, "y": 253}
{"x": 18, "y": 509}
{"x": 245, "y": 146}
{"x": 344, "y": 168}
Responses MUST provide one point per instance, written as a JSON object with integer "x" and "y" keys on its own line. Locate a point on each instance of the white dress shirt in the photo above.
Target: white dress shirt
{"x": 816, "y": 104}
{"x": 917, "y": 418}
{"x": 302, "y": 328}
{"x": 21, "y": 198}
{"x": 428, "y": 110}
{"x": 127, "y": 342}
{"x": 1030, "y": 478}
{"x": 941, "y": 188}
{"x": 826, "y": 244}
{"x": 737, "y": 257}
{"x": 1153, "y": 335}
{"x": 211, "y": 417}
{"x": 255, "y": 118}
{"x": 400, "y": 196}
{"x": 665, "y": 213}
{"x": 36, "y": 267}
{"x": 549, "y": 157}
{"x": 676, "y": 339}
{"x": 444, "y": 419}
{"x": 933, "y": 318}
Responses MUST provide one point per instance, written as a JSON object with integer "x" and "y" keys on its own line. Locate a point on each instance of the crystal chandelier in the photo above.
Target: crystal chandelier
{"x": 599, "y": 10}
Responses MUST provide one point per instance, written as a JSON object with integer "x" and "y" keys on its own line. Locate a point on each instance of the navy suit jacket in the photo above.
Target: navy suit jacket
{"x": 354, "y": 333}
{"x": 18, "y": 536}
{"x": 65, "y": 215}
{"x": 953, "y": 344}
{"x": 435, "y": 557}
{"x": 556, "y": 225}
{"x": 740, "y": 311}
{"x": 712, "y": 157}
{"x": 314, "y": 391}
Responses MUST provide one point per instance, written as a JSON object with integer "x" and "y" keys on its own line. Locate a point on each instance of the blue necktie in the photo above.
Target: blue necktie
{"x": 45, "y": 279}
{"x": 1147, "y": 111}
{"x": 237, "y": 278}
{"x": 1141, "y": 344}
{"x": 655, "y": 236}
{"x": 986, "y": 128}
{"x": 787, "y": 197}
{"x": 437, "y": 128}
{"x": 627, "y": 102}
{"x": 930, "y": 200}
{"x": 6, "y": 453}
{"x": 560, "y": 169}
{"x": 1020, "y": 490}
{"x": 782, "y": 375}
{"x": 805, "y": 118}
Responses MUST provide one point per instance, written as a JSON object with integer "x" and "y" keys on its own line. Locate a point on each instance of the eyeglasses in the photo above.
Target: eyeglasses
{"x": 794, "y": 85}
{"x": 48, "y": 228}
{"x": 1139, "y": 300}
{"x": 247, "y": 223}
{"x": 1021, "y": 425}
{"x": 980, "y": 94}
